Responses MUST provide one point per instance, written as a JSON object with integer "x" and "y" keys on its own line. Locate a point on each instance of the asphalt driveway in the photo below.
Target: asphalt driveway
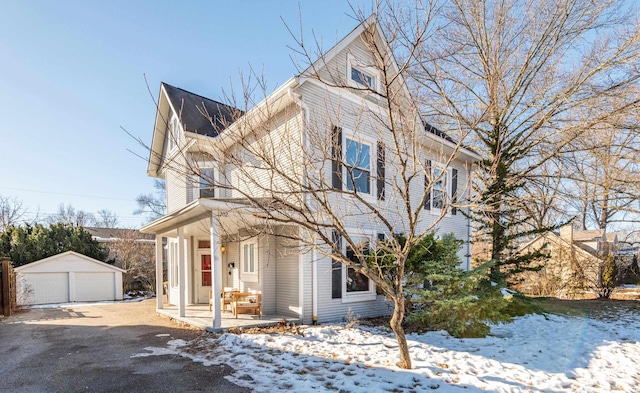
{"x": 88, "y": 349}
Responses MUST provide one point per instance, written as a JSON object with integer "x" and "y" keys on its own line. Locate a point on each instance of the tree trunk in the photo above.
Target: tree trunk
{"x": 396, "y": 325}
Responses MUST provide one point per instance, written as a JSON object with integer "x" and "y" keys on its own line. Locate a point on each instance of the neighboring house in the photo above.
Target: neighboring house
{"x": 216, "y": 240}
{"x": 68, "y": 277}
{"x": 110, "y": 235}
{"x": 576, "y": 258}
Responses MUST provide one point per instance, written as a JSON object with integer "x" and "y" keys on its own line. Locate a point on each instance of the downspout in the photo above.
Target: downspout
{"x": 468, "y": 244}
{"x": 297, "y": 98}
{"x": 469, "y": 172}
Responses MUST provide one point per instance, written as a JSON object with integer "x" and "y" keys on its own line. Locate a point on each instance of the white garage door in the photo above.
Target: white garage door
{"x": 95, "y": 286}
{"x": 43, "y": 288}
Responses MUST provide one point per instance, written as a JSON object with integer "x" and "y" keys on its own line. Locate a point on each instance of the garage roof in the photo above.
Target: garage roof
{"x": 64, "y": 254}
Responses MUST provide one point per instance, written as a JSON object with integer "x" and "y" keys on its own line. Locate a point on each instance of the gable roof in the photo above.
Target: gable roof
{"x": 67, "y": 253}
{"x": 372, "y": 22}
{"x": 199, "y": 114}
{"x": 556, "y": 238}
{"x": 208, "y": 118}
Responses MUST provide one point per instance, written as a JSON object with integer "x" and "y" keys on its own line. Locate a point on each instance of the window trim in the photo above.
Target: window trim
{"x": 351, "y": 297}
{"x": 352, "y": 63}
{"x": 213, "y": 188}
{"x": 173, "y": 134}
{"x": 173, "y": 258}
{"x": 245, "y": 275}
{"x": 448, "y": 178}
{"x": 373, "y": 149}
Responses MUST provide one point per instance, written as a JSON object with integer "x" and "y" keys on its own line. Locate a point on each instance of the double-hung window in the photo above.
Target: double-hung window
{"x": 442, "y": 188}
{"x": 439, "y": 188}
{"x": 355, "y": 281}
{"x": 358, "y": 166}
{"x": 173, "y": 260}
{"x": 206, "y": 182}
{"x": 249, "y": 261}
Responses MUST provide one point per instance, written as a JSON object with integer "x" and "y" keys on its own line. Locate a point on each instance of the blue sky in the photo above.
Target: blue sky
{"x": 72, "y": 74}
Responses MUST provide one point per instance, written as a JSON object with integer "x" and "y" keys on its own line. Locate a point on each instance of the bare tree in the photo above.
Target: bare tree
{"x": 498, "y": 70}
{"x": 69, "y": 215}
{"x": 602, "y": 175}
{"x": 137, "y": 256}
{"x": 11, "y": 212}
{"x": 153, "y": 205}
{"x": 544, "y": 207}
{"x": 526, "y": 78}
{"x": 106, "y": 219}
{"x": 287, "y": 166}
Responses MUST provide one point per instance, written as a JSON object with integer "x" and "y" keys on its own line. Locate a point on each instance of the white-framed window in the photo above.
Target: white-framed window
{"x": 442, "y": 187}
{"x": 358, "y": 163}
{"x": 249, "y": 260}
{"x": 355, "y": 285}
{"x": 173, "y": 260}
{"x": 361, "y": 75}
{"x": 439, "y": 190}
{"x": 173, "y": 133}
{"x": 206, "y": 182}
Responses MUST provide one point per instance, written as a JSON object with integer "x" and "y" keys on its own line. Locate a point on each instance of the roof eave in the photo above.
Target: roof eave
{"x": 275, "y": 102}
{"x": 155, "y": 151}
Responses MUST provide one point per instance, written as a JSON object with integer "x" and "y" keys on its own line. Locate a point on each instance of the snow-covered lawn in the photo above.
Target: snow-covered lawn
{"x": 533, "y": 354}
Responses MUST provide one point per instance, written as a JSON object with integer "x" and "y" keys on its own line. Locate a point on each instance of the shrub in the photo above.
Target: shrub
{"x": 442, "y": 296}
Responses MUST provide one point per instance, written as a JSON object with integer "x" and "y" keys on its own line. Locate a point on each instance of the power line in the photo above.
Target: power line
{"x": 67, "y": 194}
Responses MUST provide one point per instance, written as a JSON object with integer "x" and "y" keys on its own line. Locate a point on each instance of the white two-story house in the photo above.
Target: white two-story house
{"x": 246, "y": 191}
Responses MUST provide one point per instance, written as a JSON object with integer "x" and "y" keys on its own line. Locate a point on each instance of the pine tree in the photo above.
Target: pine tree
{"x": 26, "y": 244}
{"x": 444, "y": 296}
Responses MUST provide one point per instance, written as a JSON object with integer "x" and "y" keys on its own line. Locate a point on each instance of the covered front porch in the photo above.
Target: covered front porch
{"x": 215, "y": 246}
{"x": 198, "y": 315}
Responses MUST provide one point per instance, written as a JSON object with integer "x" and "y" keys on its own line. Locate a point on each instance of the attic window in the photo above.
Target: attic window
{"x": 360, "y": 75}
{"x": 362, "y": 78}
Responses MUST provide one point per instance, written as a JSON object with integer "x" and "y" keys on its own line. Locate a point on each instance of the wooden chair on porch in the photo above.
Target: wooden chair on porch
{"x": 226, "y": 297}
{"x": 246, "y": 301}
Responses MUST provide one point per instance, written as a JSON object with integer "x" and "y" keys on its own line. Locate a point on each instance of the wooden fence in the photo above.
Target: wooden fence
{"x": 7, "y": 287}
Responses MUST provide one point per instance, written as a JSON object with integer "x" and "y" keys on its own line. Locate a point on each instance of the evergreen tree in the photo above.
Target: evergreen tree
{"x": 26, "y": 244}
{"x": 608, "y": 278}
{"x": 445, "y": 296}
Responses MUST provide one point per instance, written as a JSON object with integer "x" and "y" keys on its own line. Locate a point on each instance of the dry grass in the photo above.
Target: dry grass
{"x": 596, "y": 309}
{"x": 282, "y": 327}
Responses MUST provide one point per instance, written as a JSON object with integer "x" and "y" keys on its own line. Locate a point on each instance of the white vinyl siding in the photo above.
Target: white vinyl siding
{"x": 352, "y": 118}
{"x": 284, "y": 138}
{"x": 178, "y": 185}
{"x": 249, "y": 261}
{"x": 287, "y": 278}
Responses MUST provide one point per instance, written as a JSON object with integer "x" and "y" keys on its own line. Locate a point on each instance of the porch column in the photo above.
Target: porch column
{"x": 181, "y": 274}
{"x": 216, "y": 271}
{"x": 159, "y": 275}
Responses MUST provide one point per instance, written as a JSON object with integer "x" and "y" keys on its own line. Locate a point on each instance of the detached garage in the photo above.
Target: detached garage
{"x": 68, "y": 277}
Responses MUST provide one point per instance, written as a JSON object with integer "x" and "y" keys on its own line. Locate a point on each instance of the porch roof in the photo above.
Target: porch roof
{"x": 195, "y": 211}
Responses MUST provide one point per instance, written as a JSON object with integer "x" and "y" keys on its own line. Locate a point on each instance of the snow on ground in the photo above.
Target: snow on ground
{"x": 86, "y": 304}
{"x": 533, "y": 354}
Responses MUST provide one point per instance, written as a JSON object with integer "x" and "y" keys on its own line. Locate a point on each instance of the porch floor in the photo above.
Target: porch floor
{"x": 199, "y": 316}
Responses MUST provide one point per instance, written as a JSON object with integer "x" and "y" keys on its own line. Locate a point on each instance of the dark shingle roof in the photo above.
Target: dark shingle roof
{"x": 200, "y": 114}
